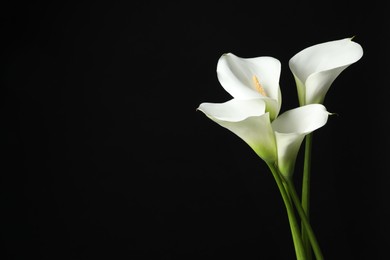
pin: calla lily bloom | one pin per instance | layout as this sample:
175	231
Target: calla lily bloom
290	129
316	67
249	78
248	120
277	142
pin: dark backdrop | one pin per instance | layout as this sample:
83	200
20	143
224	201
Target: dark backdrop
105	155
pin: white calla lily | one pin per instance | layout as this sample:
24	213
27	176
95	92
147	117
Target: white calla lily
316	67
276	142
248	78
290	129
248	120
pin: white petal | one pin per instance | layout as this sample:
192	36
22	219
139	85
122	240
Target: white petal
254	129
288	148
236	76
304	119
234	110
317	66
290	129
318	84
325	56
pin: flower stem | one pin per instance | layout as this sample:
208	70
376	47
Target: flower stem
309	231
295	232
306	191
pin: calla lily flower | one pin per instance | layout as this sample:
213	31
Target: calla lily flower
249	78
277	142
248	120
316	67
290	129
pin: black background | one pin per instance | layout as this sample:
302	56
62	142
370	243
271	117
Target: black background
106	157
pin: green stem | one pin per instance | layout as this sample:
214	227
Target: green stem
296	235
306	191
309	231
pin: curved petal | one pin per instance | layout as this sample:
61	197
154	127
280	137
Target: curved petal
288	148
316	67
234	110
318	84
236	76
252	127
290	129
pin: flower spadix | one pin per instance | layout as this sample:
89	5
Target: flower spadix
249	78
277	142
316	67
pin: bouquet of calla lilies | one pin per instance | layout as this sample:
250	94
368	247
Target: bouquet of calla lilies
253	115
